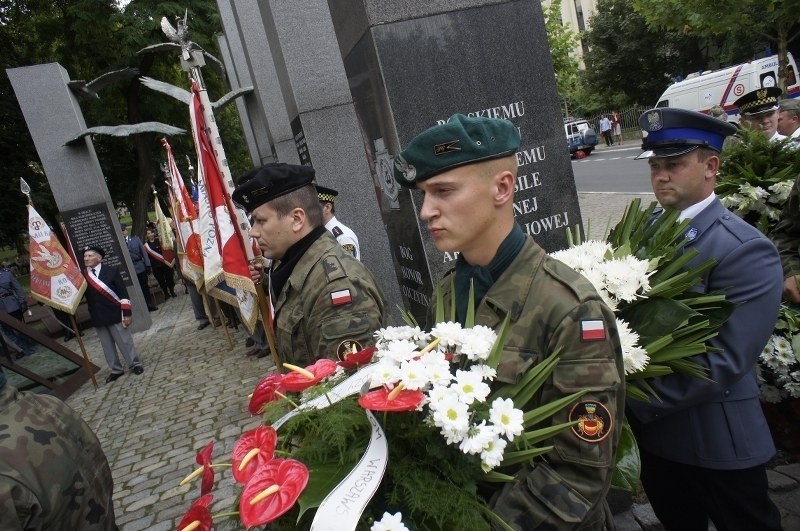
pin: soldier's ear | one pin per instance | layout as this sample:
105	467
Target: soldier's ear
298	219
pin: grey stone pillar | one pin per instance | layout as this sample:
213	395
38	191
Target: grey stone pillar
73	172
413	64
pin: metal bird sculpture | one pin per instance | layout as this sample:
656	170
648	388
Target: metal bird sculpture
185	96
127	130
90	89
179	38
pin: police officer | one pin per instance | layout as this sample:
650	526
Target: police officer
759	111
704	442
467	169
326	303
343	234
53	472
13	301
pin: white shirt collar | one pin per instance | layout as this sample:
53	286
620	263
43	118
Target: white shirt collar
696	208
96	269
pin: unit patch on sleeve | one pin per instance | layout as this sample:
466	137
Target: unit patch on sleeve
594	421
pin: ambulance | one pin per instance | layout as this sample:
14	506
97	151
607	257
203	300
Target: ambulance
701	91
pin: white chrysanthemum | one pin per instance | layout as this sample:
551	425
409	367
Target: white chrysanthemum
477	439
634	356
438	368
449	333
390	522
384	372
770	394
470	387
453	436
584	256
451	414
755	193
399	350
414	374
733	200
477	342
506	418
626	277
486	372
793	389
492	456
780	191
436	395
395	333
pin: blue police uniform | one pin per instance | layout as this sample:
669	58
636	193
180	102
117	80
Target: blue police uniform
705	442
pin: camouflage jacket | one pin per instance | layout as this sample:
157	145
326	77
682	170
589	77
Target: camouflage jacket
53	472
330	300
786	234
554	309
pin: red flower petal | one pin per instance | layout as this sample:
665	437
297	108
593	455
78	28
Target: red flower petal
378	400
204	455
358	359
198	512
265	439
265	392
291	477
296	382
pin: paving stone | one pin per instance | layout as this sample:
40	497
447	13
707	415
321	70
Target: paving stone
780	482
792	470
141	523
646	517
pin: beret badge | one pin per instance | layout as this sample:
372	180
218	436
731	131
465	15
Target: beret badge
408	171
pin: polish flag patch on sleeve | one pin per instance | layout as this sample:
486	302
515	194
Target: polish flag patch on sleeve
594	330
341	297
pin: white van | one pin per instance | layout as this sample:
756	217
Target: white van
700	92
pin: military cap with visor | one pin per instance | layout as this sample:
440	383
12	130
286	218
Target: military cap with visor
672	132
459	141
759	101
326	195
270	181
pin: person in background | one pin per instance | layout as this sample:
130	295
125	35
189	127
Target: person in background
343	234
759	111
13	301
53	472
141	264
605	130
162	270
789	120
466	169
616	127
704	442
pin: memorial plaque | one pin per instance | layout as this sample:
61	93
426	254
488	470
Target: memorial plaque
92	226
493	61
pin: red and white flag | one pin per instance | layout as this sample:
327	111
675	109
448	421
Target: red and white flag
183	210
56	279
225	248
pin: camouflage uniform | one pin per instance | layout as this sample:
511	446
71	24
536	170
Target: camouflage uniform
309	323
548	303
786	234
53	473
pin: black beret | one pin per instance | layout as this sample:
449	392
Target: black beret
264	184
326	195
672	132
459	141
96	249
759	100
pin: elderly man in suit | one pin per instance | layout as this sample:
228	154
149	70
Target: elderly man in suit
110	311
704	442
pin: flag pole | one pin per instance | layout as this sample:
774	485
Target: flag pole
79	337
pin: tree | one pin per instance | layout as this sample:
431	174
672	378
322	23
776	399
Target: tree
749	20
562	41
628	63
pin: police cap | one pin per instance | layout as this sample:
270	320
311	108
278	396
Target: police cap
673	132
759	100
272	180
459	141
326	195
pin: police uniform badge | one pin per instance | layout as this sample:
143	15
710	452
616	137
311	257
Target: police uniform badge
691	234
350	249
654	121
594	421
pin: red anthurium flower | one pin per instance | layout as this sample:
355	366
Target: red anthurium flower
358	359
265	392
204	458
397	399
297	382
198	517
272	491
252	450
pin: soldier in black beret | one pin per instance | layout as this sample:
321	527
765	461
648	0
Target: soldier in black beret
343	234
759	110
704	442
467	170
326	303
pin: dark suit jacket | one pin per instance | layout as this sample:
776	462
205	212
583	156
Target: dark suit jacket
719	424
102	310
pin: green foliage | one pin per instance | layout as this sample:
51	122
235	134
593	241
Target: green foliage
562	41
629	465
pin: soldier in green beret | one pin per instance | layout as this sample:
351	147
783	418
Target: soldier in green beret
326	303
53	472
467	170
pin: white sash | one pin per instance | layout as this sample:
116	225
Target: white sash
156	255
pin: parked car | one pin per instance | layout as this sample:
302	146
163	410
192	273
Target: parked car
581	138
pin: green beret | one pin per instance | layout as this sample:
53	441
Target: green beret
461	140
790	105
264	184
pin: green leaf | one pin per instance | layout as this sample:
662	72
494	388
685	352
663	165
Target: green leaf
322	479
628	465
545	411
493	360
523	456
